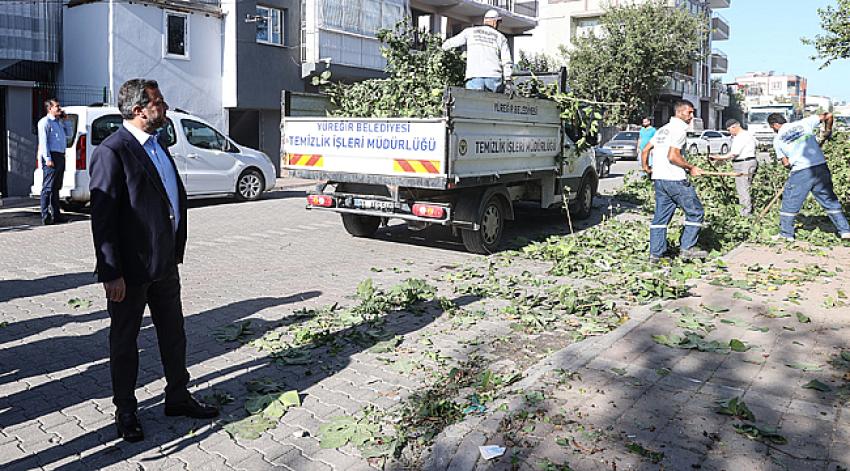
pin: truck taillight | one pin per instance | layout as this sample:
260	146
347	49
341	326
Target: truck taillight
429	211
81	153
320	200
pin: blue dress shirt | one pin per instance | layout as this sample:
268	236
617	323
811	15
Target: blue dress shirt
52	136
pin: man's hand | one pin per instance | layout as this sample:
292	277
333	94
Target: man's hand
696	171
647	169
48	163
115	290
719	157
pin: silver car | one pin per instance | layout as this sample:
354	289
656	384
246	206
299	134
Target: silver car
624	145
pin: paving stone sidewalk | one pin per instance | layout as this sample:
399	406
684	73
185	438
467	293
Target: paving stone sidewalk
624	401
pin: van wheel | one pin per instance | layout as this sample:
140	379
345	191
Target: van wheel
724	149
491	224
360	226
72	206
250	185
693	150
583	204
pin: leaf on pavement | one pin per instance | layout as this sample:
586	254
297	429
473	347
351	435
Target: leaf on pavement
741	296
250	428
817	385
738	346
715	309
804	319
79	303
735	407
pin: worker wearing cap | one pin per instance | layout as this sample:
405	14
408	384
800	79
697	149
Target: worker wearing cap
743	157
488	58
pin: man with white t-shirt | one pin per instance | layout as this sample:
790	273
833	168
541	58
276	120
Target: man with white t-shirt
669	174
743	157
797	147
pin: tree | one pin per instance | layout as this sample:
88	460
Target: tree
835	43
638	47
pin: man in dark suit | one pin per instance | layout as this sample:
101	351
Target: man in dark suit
138	216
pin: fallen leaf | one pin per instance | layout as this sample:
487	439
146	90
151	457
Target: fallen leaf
817	385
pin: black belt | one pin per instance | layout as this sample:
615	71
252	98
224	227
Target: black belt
745	160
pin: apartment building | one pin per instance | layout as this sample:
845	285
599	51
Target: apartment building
561	21
762	88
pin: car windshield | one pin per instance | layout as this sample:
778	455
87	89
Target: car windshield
693	134
843	119
757	118
626	136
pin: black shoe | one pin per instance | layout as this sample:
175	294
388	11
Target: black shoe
191	408
48	221
129	427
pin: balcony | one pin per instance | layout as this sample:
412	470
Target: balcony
719	62
677	85
518	16
719	95
719	28
715	4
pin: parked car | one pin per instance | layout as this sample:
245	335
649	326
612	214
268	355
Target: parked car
624	145
208	162
842	122
703	142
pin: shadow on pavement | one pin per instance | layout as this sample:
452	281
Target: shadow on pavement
172	435
16	289
82	360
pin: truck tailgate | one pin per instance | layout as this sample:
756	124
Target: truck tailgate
346	149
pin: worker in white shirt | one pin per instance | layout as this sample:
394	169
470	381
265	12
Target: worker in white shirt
488	58
744	162
669	173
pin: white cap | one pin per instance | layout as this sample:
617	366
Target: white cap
492	15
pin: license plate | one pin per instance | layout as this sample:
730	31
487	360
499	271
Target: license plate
373	204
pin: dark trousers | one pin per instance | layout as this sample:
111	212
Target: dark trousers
51	184
163	299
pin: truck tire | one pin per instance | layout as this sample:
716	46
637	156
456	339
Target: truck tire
491	224
583	205
360	226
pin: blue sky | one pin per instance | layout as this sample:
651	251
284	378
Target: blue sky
765	35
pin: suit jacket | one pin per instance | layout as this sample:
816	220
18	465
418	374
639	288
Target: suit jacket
130	214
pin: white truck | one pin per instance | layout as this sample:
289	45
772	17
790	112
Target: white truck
464	169
757	121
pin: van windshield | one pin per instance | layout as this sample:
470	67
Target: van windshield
757	118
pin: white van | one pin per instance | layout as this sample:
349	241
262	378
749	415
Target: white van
209	163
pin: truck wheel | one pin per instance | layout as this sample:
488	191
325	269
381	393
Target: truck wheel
724	149
491	224
583	204
693	150
360	226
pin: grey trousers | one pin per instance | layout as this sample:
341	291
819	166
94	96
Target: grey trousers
744	183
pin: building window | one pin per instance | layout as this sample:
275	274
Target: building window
586	27
176	35
270	25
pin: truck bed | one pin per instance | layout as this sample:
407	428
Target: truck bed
480	136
